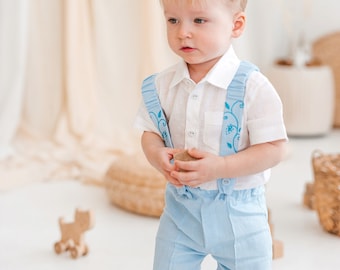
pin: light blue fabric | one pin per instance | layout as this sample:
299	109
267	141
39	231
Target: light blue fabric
230	225
232	228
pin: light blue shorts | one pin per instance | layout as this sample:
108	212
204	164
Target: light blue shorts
231	226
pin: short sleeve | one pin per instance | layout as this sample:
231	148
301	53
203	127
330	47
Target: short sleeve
264	111
143	121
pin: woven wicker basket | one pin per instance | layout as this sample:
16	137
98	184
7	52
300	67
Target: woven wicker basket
134	185
326	169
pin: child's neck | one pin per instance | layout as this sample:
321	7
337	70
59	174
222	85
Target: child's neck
197	75
199	71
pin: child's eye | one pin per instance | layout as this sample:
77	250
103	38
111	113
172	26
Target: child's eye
199	20
172	20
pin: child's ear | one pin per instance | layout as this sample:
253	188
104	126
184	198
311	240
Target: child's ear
239	24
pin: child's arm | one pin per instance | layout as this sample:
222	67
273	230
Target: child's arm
158	155
252	160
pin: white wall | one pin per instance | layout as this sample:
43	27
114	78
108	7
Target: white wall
274	25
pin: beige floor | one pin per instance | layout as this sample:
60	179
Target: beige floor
124	241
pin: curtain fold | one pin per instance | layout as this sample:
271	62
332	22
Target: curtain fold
13	50
79	69
74	100
43	98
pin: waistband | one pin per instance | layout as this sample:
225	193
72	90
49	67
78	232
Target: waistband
225	188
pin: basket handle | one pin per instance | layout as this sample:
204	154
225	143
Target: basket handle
315	155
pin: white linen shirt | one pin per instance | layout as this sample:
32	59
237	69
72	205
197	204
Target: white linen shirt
194	111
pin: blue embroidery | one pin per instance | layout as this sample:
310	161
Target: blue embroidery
155	110
233	129
161	124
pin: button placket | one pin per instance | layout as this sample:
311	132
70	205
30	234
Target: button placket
192	118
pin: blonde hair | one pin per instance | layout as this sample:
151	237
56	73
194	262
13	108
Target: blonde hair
239	4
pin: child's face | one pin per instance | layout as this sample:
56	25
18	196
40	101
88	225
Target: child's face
201	33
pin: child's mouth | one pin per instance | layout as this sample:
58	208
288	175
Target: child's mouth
187	49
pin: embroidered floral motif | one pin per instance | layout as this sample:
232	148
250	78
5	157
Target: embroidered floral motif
232	130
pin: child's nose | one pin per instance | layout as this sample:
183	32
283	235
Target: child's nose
184	31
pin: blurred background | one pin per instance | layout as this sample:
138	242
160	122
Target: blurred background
70	77
71	70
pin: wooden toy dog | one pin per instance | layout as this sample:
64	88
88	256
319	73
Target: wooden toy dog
72	234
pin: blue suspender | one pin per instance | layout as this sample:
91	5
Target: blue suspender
232	118
233	111
155	109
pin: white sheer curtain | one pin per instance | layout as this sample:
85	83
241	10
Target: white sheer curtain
70	76
13	51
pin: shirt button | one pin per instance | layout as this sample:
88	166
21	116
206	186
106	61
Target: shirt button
226	181
195	97
191	133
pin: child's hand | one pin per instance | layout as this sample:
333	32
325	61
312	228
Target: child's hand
159	156
162	161
195	172
168	167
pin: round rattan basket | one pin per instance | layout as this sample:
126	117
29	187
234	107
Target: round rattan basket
134	185
326	169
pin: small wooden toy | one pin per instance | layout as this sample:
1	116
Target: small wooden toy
277	247
184	156
72	234
309	196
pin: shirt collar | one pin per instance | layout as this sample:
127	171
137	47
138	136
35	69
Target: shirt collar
220	75
181	74
223	72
